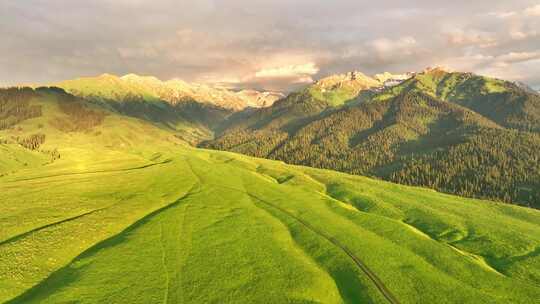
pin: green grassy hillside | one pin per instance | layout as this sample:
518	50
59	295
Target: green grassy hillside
46	126
168	104
173	103
105	208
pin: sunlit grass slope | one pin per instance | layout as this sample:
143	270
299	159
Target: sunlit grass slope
196	226
132	216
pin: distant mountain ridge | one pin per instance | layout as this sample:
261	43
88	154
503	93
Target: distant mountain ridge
191	109
174	91
455	132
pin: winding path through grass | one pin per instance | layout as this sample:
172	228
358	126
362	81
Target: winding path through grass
357	261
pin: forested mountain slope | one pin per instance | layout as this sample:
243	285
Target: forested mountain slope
507	103
454	132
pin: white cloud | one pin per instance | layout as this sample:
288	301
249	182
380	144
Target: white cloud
299	70
139	52
468	62
460	37
385	46
518	35
533	11
481	61
220	79
273	77
304	79
502	15
256	43
517	66
518	57
500	65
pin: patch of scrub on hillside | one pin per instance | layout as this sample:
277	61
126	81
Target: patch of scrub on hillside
361	200
494	85
347	206
479	260
233	159
525	265
452	235
417	231
289	177
431	225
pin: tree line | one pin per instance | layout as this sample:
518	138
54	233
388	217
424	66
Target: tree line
15	106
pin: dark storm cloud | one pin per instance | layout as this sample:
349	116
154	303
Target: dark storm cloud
276	44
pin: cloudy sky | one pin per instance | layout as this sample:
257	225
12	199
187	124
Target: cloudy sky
275	44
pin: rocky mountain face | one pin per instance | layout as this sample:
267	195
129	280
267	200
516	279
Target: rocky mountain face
340	89
354	80
257	99
389	79
173	91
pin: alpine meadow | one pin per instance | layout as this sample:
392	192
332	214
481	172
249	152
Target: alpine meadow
279	163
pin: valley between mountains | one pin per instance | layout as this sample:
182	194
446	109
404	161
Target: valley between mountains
413	188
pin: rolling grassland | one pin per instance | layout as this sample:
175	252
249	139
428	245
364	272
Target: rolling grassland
196	226
124	212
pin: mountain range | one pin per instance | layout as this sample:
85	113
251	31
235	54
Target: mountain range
454	132
149	88
107	200
192	110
